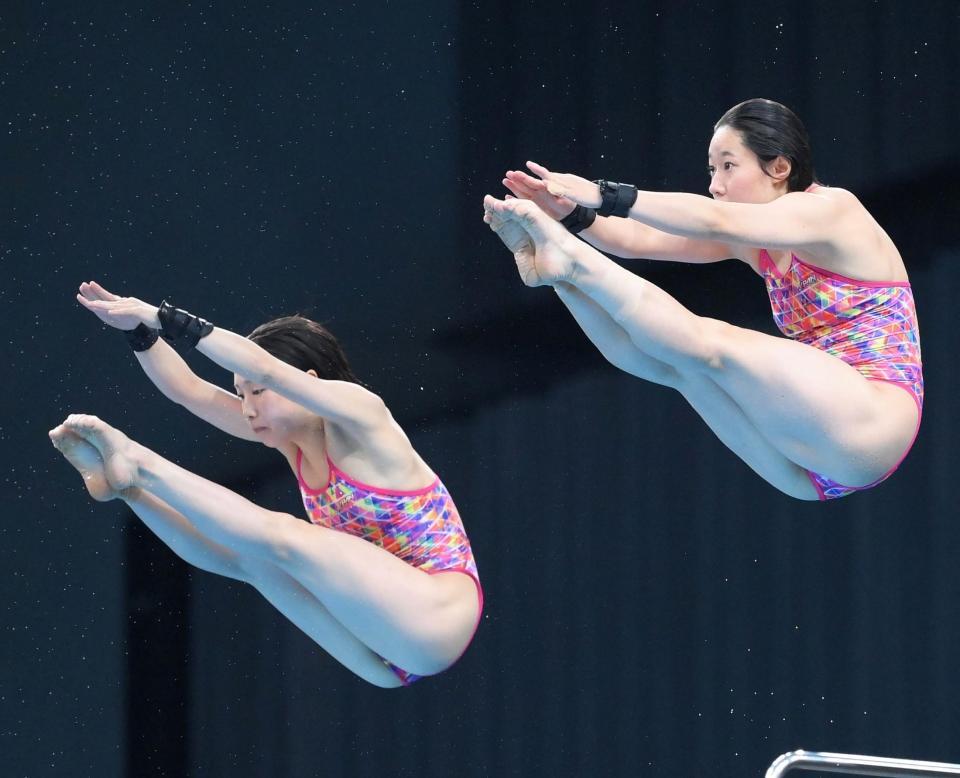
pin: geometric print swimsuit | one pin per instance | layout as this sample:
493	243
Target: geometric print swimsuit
872	326
422	526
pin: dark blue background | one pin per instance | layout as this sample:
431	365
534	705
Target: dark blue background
653	608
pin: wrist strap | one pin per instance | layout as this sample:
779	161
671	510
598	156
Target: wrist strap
617	199
181	327
141	337
579	219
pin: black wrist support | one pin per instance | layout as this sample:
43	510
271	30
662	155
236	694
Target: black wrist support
579	219
141	337
617	199
181	327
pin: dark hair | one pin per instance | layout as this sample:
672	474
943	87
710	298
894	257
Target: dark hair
772	130
306	345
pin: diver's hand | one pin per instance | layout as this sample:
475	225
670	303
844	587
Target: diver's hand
567	186
124	313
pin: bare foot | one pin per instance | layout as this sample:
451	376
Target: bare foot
118	452
86	459
540	246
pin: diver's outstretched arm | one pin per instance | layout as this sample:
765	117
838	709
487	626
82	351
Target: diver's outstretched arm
626	238
344	403
168	371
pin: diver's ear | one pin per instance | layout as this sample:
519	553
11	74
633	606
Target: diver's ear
779	168
312	372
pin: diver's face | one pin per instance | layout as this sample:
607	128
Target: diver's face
736	174
273	418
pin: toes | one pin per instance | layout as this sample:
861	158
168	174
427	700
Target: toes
58	436
81	421
520	210
79	425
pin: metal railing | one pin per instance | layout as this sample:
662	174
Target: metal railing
852	764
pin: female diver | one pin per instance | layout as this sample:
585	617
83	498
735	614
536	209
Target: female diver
383	577
831	410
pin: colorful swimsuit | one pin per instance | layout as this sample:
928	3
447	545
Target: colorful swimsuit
872	326
422	527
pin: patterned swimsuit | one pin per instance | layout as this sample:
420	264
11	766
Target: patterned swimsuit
872	326
422	527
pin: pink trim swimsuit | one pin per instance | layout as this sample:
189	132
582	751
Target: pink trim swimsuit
422	527
872	326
